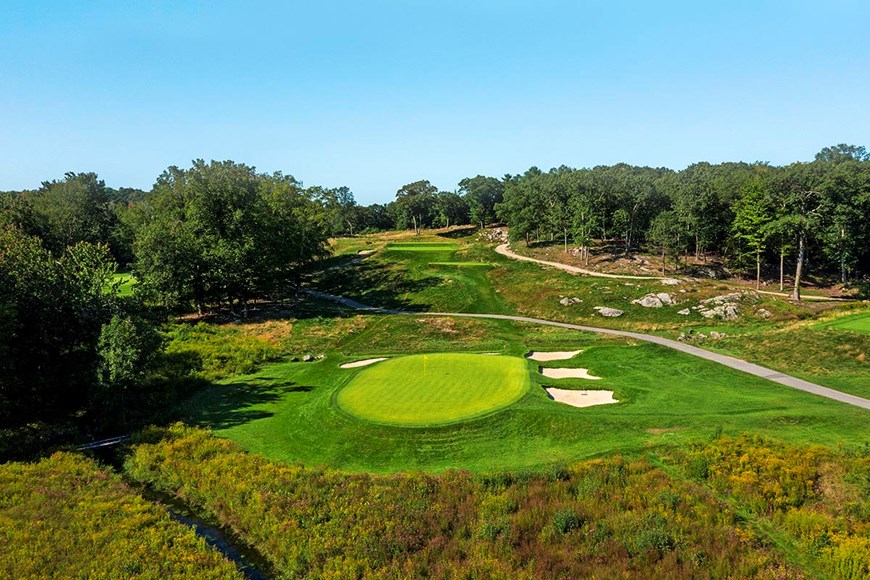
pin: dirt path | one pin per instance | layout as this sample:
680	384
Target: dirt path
728	361
504	250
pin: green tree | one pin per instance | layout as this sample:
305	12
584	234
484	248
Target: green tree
750	228
415	205
482	194
666	232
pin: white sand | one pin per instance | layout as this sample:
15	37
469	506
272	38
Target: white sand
361	363
548	356
582	398
568	374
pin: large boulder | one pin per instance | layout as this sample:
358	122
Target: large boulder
649	301
609	312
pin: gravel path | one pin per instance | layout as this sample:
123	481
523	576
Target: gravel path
728	361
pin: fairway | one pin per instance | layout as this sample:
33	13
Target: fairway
856	323
434	389
422	247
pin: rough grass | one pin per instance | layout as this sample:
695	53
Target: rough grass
435	388
65	517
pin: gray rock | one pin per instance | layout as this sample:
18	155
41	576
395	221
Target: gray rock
609	312
307	358
684	312
649	301
565	301
763	313
665	298
670	281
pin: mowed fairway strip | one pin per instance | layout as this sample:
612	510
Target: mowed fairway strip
434	389
856	323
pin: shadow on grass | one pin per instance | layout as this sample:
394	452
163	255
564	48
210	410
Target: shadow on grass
229	405
377	284
458	232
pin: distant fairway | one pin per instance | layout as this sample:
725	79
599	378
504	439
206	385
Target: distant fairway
463	264
433	389
857	323
422	247
125	283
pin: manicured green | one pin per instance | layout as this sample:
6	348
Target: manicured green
856	323
434	389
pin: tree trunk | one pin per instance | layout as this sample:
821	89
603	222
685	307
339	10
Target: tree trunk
757	270
448	223
566	240
796	293
842	257
416	230
586	255
781	270
663	261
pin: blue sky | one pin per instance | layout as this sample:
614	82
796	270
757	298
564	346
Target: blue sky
376	94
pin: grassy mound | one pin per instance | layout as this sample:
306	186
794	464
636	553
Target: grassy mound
434	389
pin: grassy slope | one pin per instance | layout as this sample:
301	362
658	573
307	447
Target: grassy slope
434	389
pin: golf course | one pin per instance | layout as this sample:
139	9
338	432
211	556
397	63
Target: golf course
438	392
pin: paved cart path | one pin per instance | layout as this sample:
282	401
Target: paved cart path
728	361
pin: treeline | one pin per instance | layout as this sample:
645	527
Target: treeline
758	216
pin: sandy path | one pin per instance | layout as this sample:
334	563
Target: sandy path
554	355
505	250
728	361
361	363
582	398
568	374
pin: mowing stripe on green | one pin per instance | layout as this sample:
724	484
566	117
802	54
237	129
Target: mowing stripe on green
434	389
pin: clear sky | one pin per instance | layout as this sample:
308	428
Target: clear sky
375	94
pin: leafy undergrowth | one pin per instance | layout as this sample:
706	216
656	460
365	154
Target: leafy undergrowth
64	517
600	518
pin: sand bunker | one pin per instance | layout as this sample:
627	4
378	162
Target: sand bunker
361	363
568	374
581	398
548	356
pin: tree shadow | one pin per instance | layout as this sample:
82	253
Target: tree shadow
229	405
457	232
377	284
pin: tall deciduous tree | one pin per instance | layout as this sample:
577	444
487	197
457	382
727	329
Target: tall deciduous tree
482	194
750	228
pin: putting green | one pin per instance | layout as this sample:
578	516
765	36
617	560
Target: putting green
434	389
